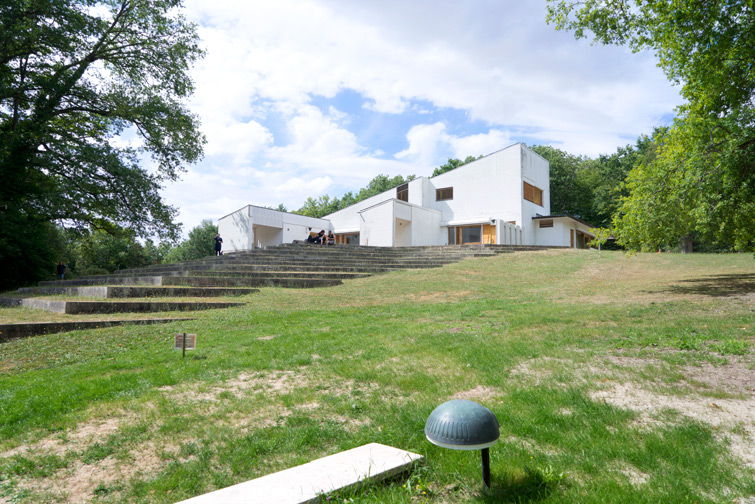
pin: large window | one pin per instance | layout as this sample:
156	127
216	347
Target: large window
463	235
348	239
533	194
471	234
402	192
447	193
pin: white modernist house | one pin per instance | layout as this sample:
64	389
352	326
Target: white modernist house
501	198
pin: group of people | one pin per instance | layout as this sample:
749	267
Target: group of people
321	239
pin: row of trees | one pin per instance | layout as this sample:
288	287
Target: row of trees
700	183
87	252
79	77
324	205
76	78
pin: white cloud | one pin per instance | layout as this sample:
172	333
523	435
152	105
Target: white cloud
497	62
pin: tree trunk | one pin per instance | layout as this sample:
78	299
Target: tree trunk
686	244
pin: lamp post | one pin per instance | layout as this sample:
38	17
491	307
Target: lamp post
464	425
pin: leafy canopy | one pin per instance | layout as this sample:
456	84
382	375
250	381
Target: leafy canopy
452	164
200	244
699	184
75	75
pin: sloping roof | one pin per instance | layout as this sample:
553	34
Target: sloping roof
556	216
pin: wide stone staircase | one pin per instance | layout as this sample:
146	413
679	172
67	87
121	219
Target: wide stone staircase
241	273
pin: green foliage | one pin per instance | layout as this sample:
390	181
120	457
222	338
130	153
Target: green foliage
591	188
690	191
701	185
29	251
707	48
200	244
452	164
325	205
74	77
100	250
569	194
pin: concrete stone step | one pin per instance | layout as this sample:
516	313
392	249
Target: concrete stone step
307	483
81	307
235	281
276	274
24	330
104	280
138	291
314	264
267	271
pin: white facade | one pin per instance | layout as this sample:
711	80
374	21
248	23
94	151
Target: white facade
257	227
501	198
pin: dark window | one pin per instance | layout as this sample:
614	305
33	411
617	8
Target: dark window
471	234
447	193
546	223
402	192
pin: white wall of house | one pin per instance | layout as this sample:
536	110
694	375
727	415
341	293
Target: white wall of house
560	235
426	228
490	189
484	189
236	230
267	236
253	226
535	171
348	218
376	225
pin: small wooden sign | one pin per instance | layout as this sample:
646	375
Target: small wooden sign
191	341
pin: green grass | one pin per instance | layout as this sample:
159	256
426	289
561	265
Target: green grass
299	374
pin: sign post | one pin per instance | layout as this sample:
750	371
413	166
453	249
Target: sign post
185	342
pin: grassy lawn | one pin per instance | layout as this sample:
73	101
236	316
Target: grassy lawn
614	378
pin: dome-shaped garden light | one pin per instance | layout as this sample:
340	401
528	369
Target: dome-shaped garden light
464	425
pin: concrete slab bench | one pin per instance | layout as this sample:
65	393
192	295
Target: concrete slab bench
305	483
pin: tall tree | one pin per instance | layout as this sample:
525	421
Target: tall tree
78	78
704	164
110	251
200	244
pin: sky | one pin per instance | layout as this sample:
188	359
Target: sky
302	98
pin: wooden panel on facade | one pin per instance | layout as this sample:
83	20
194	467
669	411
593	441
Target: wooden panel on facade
488	234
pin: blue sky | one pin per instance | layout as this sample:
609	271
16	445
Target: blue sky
302	98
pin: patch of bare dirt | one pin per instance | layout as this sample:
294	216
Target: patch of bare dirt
542	369
479	393
276	382
733	419
77	439
77	484
437	297
635	476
